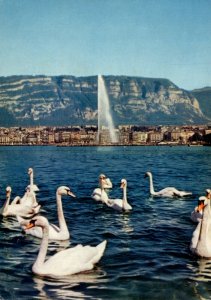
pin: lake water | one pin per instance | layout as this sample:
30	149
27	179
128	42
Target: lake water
147	255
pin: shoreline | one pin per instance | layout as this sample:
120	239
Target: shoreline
105	145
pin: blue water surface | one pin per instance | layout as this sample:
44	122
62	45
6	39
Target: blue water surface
147	255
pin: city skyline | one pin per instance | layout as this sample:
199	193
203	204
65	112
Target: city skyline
161	39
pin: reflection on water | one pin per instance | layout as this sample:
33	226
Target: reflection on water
202	272
66	287
10	223
124	220
147	255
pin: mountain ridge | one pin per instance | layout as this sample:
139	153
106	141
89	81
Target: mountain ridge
27	100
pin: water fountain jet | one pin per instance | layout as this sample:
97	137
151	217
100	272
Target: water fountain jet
104	114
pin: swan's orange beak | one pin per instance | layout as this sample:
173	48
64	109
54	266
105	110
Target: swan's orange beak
71	194
30	225
122	185
200	207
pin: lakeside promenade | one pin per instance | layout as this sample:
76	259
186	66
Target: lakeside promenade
127	135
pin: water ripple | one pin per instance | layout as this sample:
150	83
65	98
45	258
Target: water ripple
147	255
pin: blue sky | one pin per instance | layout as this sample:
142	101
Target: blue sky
146	38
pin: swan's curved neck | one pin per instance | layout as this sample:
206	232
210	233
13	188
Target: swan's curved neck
152	191
104	196
6	203
61	219
31	179
43	248
124	199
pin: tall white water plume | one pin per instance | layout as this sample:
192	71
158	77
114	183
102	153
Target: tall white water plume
104	115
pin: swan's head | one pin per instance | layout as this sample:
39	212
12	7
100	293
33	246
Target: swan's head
202	198
30	171
147	174
201	203
36	221
102	180
8	190
208	193
123	183
102	177
64	190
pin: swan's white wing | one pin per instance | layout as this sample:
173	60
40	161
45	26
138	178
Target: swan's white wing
172	192
33	188
128	207
108	184
20	210
96	194
183	193
16	200
115	204
168	191
36	209
29	199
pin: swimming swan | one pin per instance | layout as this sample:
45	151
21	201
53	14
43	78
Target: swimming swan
166	192
66	262
33	187
201	238
29	197
120	204
16	208
60	233
97	193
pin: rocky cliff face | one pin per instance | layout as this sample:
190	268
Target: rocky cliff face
69	100
204	97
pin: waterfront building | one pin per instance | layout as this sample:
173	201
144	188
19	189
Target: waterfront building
124	138
139	137
181	136
87	135
4	139
155	137
31	138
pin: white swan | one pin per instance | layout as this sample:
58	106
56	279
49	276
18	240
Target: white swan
66	262
16	208
201	238
55	233
120	204
166	192
29	198
33	187
197	213
96	194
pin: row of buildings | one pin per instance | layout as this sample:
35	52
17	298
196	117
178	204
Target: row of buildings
89	135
